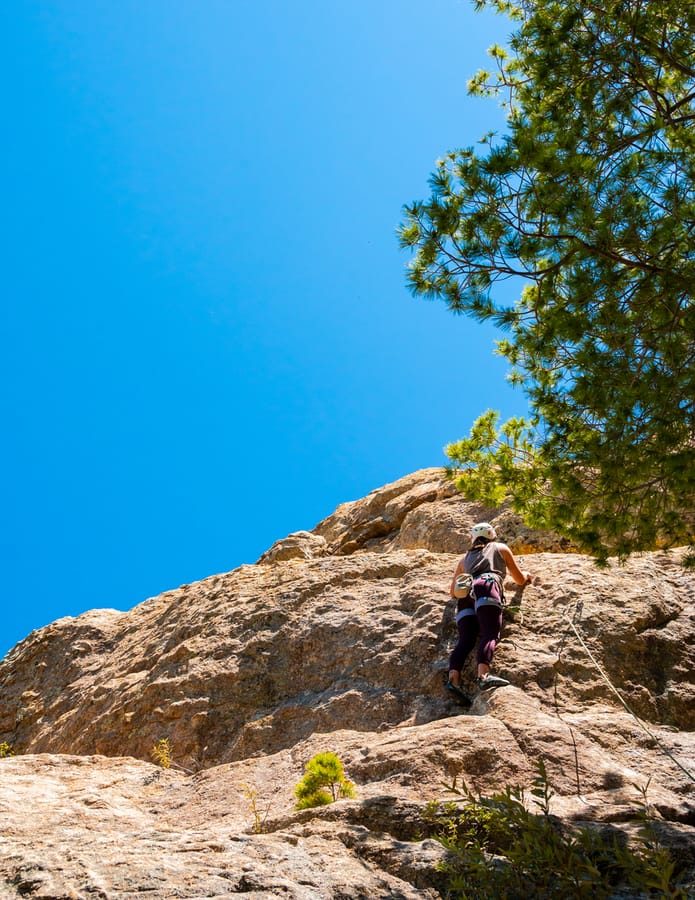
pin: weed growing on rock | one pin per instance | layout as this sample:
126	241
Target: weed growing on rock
161	753
499	848
324	770
259	815
6	749
658	871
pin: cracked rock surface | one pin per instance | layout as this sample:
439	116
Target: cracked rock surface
338	639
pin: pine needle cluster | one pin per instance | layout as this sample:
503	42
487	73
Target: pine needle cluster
324	782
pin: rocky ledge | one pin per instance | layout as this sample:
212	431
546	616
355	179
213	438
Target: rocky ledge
337	639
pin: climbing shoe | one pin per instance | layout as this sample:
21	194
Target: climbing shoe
458	695
487	682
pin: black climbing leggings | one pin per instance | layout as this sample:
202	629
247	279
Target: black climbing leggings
486	623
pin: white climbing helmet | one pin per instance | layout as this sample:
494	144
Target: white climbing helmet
483	529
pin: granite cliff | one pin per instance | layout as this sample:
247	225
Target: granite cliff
337	639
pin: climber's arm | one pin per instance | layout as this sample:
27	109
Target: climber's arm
519	576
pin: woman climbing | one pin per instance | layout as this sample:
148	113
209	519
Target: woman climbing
479	615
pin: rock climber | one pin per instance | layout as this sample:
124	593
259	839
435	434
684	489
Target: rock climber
479	615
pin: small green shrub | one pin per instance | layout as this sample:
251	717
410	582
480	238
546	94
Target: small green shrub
323	774
500	849
161	753
6	750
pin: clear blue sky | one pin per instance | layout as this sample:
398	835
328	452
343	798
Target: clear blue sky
208	341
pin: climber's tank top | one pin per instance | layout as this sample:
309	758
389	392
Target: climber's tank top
485	559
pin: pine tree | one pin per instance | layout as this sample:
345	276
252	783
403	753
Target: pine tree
588	201
324	770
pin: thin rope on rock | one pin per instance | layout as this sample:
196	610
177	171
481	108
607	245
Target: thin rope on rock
610	684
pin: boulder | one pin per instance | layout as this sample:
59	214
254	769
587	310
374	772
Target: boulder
338	639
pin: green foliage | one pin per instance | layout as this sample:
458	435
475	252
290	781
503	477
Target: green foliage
6	750
499	848
323	771
162	754
587	201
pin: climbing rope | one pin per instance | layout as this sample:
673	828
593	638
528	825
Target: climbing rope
610	684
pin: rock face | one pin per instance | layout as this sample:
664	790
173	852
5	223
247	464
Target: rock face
338	639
